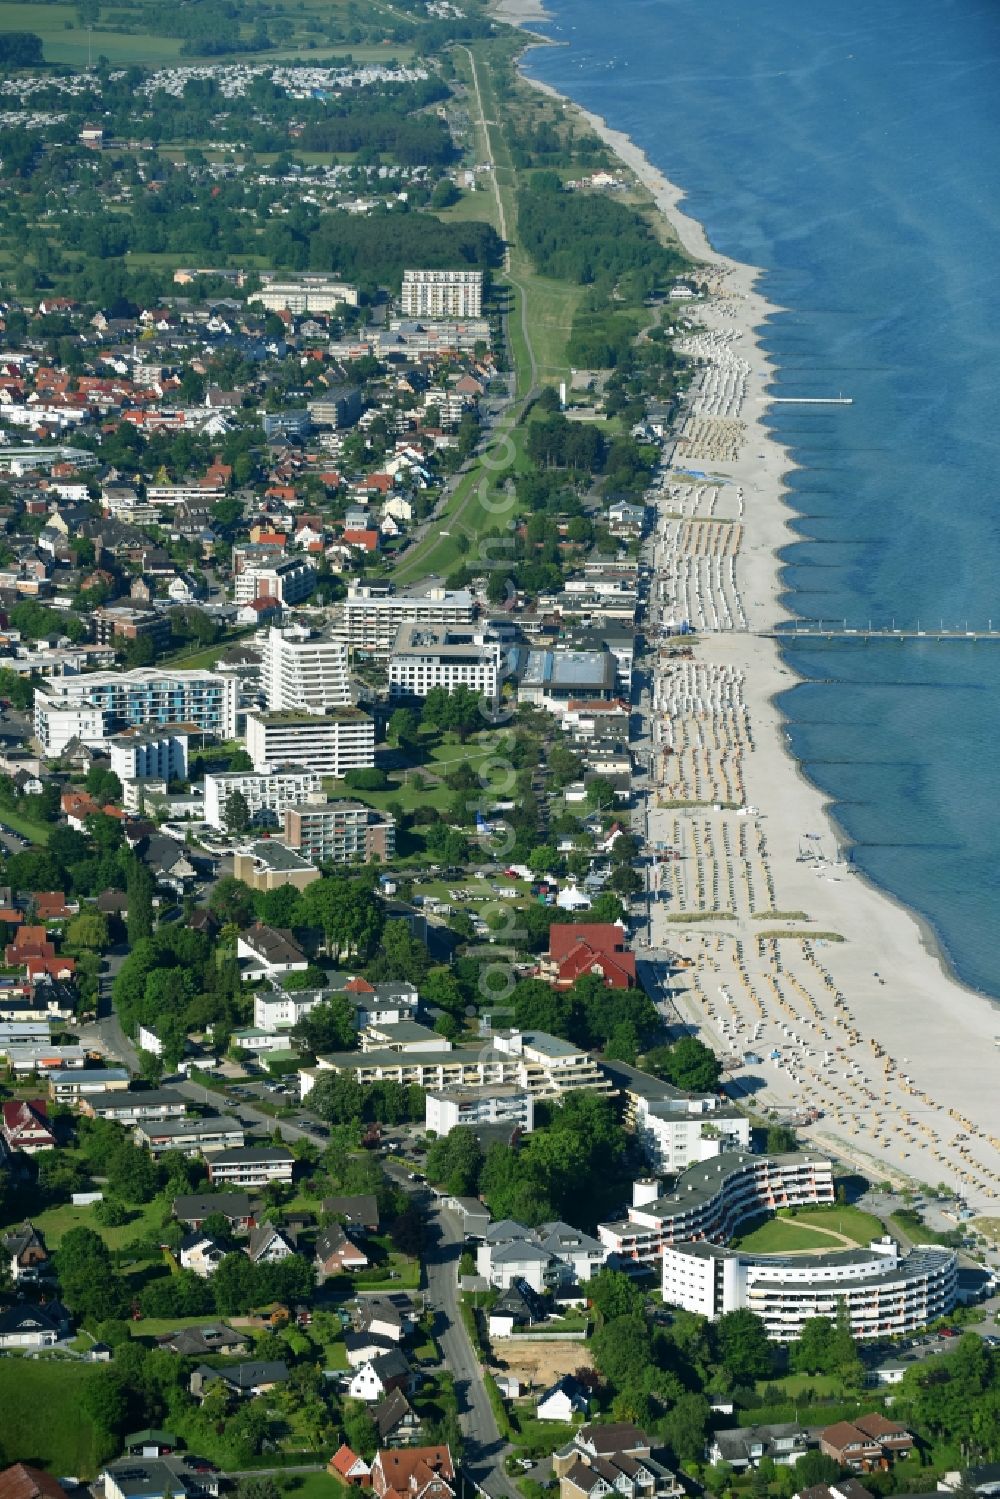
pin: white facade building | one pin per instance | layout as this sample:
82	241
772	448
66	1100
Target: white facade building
427	656
306	294
265	794
301	670
329	744
451	294
447	1110
369	618
101	704
289	581
274	1010
885	1293
150	753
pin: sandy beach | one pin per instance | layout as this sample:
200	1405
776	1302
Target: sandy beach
869	1030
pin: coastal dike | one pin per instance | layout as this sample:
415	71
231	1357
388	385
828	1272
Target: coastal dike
837	993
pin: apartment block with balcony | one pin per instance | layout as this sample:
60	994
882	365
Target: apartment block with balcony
301	670
266	796
329	744
884	1292
427	656
435	294
340	832
448	1110
369	618
100	704
712	1198
159	752
253	1166
290	581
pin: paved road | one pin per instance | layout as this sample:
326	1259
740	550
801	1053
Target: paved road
485	1449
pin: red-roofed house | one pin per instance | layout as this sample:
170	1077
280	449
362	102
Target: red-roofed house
367	541
29	942
25	1125
413	1473
51	905
347	1465
595	947
53	968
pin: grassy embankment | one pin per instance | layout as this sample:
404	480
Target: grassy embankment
820	1229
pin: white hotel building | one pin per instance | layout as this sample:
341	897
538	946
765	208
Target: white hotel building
885	1293
428	656
329	744
302	670
369	618
101	704
265	794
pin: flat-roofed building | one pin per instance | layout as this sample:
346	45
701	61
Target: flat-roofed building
447	294
192	1136
156	751
447	1109
329	744
290	581
266	796
884	1293
307	293
712	1198
427	656
340	832
134	1107
253	1166
270	864
368	620
101	704
553	679
303	670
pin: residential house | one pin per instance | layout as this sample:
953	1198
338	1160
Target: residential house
25	1253
362	1347
867	1443
347	1465
359	1211
414	1473
25	1326
743	1447
554	1254
396	1422
613	1459
374	1379
268	952
201	1253
518	1307
269	1244
196	1342
385	1316
25	1125
563	1400
236	1207
337	1251
254	1378
22	1482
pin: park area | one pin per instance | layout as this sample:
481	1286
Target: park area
812	1230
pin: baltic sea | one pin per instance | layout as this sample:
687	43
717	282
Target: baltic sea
853	152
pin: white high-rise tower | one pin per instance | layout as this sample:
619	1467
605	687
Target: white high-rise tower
305	671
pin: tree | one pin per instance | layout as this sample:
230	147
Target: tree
814	1467
236	814
686	1426
231	900
89	930
139	889
403	727
455	1162
741	1339
781	1140
338	1098
346	910
688	1064
811	1353
258	1488
614	1295
328	1026
621	1349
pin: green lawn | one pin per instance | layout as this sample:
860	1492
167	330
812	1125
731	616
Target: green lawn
42	1425
311	1486
53	1223
38	832
813	1228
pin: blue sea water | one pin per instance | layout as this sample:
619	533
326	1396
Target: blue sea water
852	150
